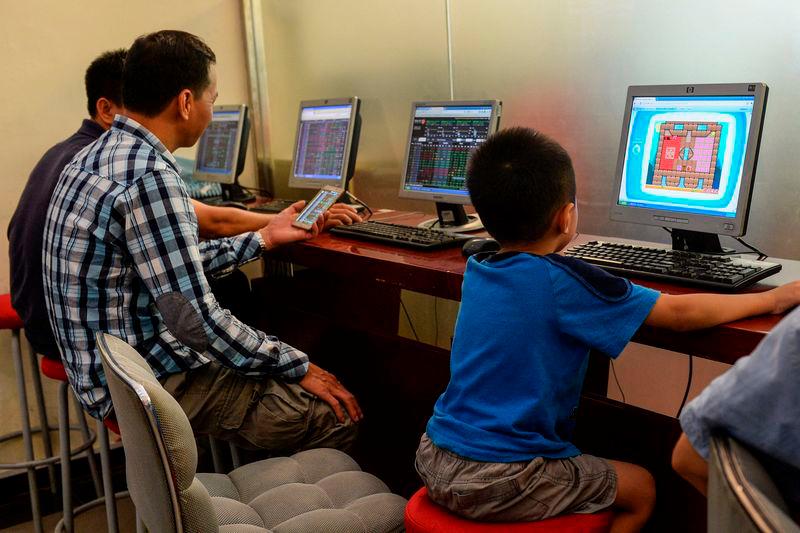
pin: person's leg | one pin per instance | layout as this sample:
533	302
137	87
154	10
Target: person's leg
257	414
690	465
636	497
285	417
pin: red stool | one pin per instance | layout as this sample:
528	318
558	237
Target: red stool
54	369
424	516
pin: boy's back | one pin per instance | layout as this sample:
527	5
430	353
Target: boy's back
520	353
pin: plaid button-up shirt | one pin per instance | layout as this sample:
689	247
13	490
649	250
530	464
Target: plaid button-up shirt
121	255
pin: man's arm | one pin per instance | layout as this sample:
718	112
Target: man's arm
161	237
215	221
687	312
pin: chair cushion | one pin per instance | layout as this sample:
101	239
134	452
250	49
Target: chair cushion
316	490
424	516
53	368
9	319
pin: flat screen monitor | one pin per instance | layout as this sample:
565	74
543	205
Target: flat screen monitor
222	149
441	138
326	143
687	157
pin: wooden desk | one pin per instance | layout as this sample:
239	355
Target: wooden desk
440	274
398	380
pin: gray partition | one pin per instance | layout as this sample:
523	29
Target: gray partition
559	66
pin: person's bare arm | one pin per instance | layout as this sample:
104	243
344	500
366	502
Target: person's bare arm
215	221
696	311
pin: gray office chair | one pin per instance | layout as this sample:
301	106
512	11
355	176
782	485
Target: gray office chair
318	491
741	495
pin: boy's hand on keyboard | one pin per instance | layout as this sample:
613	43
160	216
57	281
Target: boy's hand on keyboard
785	297
341	214
280	230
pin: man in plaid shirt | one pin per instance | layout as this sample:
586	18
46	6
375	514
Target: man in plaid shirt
121	255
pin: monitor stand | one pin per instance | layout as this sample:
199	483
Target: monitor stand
697	241
452	217
236	193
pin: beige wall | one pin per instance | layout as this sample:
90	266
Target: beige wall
45	48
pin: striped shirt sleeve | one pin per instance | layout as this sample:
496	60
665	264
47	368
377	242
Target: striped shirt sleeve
161	236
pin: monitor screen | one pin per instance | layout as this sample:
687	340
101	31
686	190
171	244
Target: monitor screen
323	145
690	155
442	137
218	148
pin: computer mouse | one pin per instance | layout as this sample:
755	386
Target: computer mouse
231	203
478	245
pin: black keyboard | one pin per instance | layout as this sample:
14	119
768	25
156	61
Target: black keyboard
273	206
717	272
413	237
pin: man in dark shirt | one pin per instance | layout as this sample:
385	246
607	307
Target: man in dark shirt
104	95
104	100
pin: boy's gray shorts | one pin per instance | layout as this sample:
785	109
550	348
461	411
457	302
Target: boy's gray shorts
515	492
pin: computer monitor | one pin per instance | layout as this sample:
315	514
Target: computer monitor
326	143
687	160
441	138
222	150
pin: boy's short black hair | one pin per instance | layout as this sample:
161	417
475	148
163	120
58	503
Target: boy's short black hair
103	79
162	64
517	180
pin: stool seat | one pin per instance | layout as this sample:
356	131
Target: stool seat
9	319
424	516
53	369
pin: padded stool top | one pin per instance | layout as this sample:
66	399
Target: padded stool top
9	319
53	368
424	516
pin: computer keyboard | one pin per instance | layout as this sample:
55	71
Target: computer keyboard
717	272
410	236
273	206
203	190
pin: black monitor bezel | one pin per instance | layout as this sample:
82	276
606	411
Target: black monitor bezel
681	220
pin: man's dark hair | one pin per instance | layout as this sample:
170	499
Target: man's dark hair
162	64
104	79
517	180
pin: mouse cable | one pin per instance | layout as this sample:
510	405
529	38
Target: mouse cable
408	317
616	380
688	386
352	198
761	255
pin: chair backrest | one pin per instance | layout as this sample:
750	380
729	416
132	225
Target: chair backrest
741	495
160	452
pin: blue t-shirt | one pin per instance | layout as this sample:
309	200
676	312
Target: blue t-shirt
521	349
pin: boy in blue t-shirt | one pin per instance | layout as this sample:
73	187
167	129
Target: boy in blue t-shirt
498	447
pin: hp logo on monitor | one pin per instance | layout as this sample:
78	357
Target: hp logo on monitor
690	90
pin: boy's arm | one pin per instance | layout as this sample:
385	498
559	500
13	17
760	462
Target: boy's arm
686	312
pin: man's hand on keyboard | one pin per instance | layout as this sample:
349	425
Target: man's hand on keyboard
280	230
340	214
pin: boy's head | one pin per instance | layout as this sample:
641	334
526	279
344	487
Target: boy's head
103	81
522	183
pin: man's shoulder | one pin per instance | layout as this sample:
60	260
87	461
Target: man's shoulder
122	158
